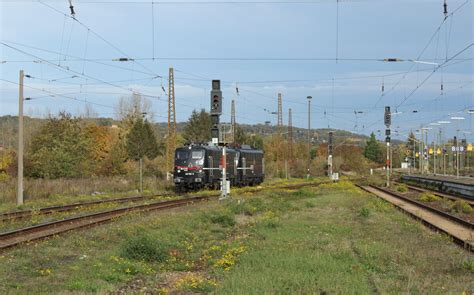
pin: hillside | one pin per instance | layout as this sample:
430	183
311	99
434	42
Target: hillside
9	130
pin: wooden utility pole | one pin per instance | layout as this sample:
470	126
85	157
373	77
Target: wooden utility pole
290	136
289	157
280	132
19	199
280	116
171	139
232	121
309	137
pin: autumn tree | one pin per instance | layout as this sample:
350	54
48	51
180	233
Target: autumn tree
60	149
253	140
132	108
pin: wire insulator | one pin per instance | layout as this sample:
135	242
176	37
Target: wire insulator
445	5
71	7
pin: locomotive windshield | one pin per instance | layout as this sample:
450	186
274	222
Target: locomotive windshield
197	155
181	154
185	157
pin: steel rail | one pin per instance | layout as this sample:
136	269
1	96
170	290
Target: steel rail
424	206
70	207
44	230
440	194
40	231
450	218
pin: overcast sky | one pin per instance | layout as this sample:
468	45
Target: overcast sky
328	50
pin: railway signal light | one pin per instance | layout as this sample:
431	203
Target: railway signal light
216	98
387	117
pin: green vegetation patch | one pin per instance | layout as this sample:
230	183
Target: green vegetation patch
144	247
402	188
428	197
287	241
461	206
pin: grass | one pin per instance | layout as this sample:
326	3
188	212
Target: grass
461	206
48	192
402	188
349	245
428	197
333	239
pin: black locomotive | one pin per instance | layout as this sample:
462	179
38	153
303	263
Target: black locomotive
197	166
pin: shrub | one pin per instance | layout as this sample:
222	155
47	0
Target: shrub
144	247
428	197
461	206
402	188
469	265
364	212
223	218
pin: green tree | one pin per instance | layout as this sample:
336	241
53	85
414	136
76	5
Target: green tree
198	127
141	141
372	150
60	149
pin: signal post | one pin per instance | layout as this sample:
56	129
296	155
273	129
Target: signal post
388	122
216	112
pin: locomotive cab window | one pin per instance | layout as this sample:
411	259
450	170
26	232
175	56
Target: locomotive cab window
197	154
181	155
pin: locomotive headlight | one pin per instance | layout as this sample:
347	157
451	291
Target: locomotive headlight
200	162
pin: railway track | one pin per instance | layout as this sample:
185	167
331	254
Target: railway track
460	230
14	215
70	207
15	237
440	194
31	233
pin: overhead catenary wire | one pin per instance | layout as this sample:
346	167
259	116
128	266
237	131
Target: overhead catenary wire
434	71
97	35
436	32
65	69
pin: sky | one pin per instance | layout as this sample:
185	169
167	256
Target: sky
330	50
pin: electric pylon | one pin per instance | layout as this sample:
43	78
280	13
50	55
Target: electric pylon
232	121
171	139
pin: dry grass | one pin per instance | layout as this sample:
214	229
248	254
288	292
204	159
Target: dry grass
46	191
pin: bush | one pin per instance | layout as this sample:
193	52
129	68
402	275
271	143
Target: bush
223	218
145	248
428	197
364	212
402	188
461	206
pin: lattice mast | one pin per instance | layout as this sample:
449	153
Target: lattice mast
232	121
171	139
280	116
